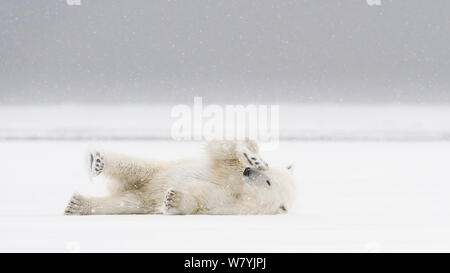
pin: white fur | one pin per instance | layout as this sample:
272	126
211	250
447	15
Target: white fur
211	184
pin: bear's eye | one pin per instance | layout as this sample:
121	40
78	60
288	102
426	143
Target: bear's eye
283	208
268	182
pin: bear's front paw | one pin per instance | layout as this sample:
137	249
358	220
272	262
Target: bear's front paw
97	163
171	201
250	159
176	202
78	205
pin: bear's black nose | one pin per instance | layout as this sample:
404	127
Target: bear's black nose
246	172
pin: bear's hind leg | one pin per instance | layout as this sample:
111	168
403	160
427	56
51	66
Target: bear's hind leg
122	204
126	173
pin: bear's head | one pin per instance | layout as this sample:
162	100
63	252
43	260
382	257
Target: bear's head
274	187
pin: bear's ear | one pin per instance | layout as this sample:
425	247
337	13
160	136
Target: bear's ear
290	168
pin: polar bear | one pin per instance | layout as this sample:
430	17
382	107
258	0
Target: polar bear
231	178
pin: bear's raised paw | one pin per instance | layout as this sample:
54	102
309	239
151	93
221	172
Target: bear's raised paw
97	163
250	158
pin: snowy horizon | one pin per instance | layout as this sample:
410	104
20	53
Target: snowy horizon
399	122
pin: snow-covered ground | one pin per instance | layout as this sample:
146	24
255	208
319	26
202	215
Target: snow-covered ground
353	196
